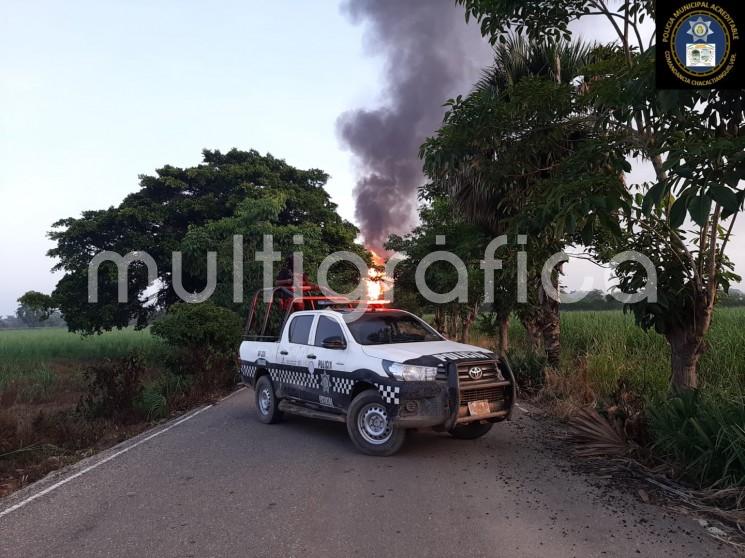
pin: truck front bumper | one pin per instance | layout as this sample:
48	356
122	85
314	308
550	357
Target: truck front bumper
423	404
444	404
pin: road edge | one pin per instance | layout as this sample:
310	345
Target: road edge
60	477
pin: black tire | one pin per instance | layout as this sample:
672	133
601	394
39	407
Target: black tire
471	431
364	420
267	404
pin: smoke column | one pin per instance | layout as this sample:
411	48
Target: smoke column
431	55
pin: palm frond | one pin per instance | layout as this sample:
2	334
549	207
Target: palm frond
595	436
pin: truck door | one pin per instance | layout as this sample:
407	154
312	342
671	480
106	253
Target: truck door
287	351
330	348
295	351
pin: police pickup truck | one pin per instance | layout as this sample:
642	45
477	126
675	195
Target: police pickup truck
381	373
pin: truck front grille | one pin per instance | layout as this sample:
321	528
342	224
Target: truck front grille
491	394
490	386
489	372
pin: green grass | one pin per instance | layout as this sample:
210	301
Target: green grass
604	354
37	356
53	343
611	347
704	435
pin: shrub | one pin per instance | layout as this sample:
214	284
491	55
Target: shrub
703	434
486	323
152	403
168	392
65	429
8	431
172	386
529	369
205	340
113	387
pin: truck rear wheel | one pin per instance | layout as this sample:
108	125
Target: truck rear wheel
370	428
471	431
267	405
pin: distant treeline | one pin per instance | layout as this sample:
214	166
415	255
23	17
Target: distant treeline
594	300
26	317
598	300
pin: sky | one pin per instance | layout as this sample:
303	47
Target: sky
95	93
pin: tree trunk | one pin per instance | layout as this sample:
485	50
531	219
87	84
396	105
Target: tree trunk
687	344
439	322
451	324
465	332
503	334
454	323
686	348
473	311
551	329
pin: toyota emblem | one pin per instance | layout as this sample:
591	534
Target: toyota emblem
475	373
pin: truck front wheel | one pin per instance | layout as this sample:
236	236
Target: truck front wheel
267	407
370	428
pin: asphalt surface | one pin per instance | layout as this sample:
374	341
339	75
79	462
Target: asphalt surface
223	484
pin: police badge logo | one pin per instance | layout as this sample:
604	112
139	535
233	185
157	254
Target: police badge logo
697	46
325	382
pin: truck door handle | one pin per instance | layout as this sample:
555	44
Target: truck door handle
284	353
311	356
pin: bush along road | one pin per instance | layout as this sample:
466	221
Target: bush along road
217	483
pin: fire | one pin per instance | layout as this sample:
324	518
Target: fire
377	282
374	285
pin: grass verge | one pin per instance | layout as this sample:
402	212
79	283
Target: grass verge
611	365
64	397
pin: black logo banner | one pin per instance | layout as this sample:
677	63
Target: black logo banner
699	44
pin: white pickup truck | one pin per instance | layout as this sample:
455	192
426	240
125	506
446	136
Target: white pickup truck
382	373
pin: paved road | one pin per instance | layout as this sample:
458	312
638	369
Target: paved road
222	484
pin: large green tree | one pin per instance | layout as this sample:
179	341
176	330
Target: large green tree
694	141
195	210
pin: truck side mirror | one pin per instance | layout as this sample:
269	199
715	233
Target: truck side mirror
334	343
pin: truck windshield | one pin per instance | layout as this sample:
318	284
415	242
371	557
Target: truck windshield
382	328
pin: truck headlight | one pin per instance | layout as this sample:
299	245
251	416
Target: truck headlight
410	372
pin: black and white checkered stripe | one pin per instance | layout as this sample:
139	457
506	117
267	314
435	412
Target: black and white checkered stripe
303	378
294	377
389	393
248	370
342	385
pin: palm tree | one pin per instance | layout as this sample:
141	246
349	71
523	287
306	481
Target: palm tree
464	148
501	146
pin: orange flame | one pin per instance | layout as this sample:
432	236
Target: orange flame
374	285
376	280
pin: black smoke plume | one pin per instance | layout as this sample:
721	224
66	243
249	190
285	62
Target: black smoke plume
431	55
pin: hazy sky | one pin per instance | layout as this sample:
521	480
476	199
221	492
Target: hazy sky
95	93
